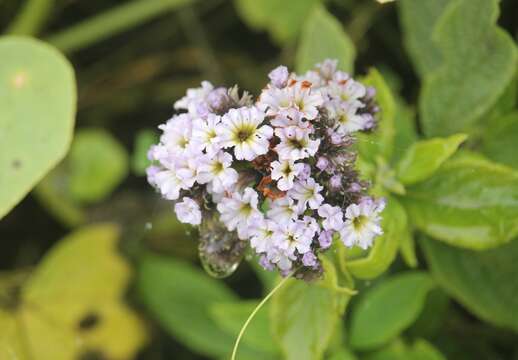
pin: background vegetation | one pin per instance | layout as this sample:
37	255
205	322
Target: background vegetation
95	266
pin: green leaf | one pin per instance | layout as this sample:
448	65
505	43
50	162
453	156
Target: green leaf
342	354
500	139
37	112
405	133
282	19
388	308
469	202
231	316
66	308
143	141
398	350
418	20
423	158
56	199
483	282
97	163
407	249
505	104
432	319
479	62
385	247
180	297
323	37
380	143
304	316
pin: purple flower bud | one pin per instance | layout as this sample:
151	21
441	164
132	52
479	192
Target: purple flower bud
279	76
325	238
355	187
151	172
371	92
336	138
368	121
305	172
309	259
265	263
327	68
376	109
322	163
202	109
335	182
285	272
218	99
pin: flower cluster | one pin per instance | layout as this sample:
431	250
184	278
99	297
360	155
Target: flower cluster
278	171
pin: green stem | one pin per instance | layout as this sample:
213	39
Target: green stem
31	17
194	31
111	22
257	308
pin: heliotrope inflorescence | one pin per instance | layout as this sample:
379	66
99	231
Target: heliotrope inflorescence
276	174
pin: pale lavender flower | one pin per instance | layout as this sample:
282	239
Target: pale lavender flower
217	169
241	130
195	100
307	193
292	236
333	217
205	133
188	211
362	223
261	235
284	172
265	263
295	143
240	212
283	210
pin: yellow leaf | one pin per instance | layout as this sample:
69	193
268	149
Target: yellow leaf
72	304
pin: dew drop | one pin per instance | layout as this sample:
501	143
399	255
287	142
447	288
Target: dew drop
148	226
220	250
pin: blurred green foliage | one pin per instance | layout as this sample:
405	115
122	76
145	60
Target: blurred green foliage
444	157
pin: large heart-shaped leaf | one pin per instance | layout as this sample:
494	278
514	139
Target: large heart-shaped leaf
388	309
484	282
180	297
479	61
37	111
418	20
469	202
304	316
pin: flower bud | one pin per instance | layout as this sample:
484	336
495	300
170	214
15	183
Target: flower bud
218	100
322	163
309	259
279	76
325	238
335	182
